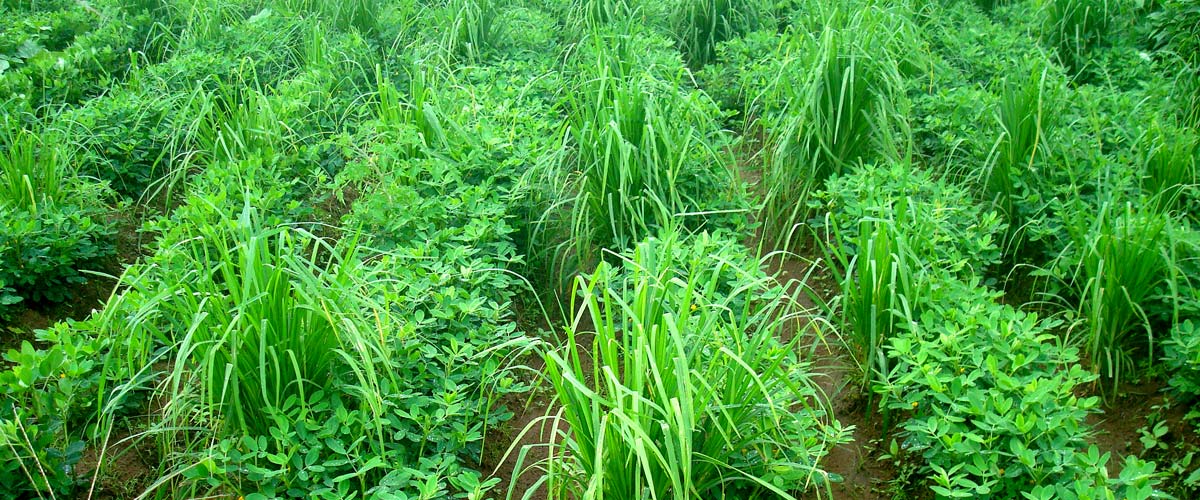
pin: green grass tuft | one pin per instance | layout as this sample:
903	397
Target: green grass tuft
1125	258
684	396
1074	27
831	121
32	171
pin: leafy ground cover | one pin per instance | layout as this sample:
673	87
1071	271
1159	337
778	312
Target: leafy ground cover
587	249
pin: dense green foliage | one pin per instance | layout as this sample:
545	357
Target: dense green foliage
1176	36
45	397
991	393
945	226
1183	360
55	222
351	237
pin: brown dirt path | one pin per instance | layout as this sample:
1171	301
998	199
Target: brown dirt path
857	462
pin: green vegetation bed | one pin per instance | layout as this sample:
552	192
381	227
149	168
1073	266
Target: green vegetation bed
589	249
